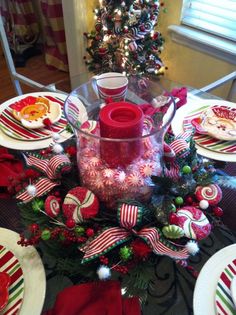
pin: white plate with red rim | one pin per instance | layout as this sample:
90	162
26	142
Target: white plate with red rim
218	122
206	284
193	108
38	140
33	271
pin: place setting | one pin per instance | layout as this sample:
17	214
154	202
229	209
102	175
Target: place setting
215	289
22	277
31	121
214	125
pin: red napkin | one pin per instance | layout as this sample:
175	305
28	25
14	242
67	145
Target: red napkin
9	167
101	298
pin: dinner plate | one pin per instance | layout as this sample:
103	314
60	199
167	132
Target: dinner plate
205	288
38	139
10	265
193	106
206	140
33	272
224	297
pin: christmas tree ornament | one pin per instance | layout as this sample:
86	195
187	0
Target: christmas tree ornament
218	211
194	222
70	223
179	201
103	273
212	193
79	230
186	169
46	235
192	247
57	148
203	204
31	190
52	206
80	204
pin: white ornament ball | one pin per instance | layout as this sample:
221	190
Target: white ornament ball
57	148
31	190
192	247
203	204
55	136
103	273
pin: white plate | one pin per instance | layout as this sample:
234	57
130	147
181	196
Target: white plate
183	111
15	144
33	271
205	288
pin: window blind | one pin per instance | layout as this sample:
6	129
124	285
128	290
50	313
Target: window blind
214	16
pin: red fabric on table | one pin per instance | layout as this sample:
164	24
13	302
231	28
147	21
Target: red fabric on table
10	167
101	298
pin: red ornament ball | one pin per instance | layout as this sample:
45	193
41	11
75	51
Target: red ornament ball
218	212
173	218
70	223
89	232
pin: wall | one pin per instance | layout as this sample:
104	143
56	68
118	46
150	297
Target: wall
186	65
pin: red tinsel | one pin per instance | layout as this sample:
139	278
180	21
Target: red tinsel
140	249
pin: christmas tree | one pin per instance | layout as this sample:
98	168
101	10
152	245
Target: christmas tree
124	39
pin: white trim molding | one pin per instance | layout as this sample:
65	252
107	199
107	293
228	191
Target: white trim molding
204	42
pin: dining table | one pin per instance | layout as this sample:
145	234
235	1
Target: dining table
173	289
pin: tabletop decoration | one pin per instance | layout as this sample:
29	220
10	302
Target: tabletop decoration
88	240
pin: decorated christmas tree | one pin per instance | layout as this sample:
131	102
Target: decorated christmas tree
125	39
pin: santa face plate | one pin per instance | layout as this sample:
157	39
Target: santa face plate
218	122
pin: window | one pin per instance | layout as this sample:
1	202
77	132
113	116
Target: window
217	17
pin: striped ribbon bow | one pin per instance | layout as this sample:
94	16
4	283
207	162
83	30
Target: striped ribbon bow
129	217
52	169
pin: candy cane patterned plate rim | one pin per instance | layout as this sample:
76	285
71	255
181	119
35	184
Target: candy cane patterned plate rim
10	264
16	144
33	271
223	300
195	104
14	128
205	287
206	140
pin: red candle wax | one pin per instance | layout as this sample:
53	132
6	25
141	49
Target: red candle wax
120	120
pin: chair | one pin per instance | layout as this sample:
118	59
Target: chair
16	77
232	91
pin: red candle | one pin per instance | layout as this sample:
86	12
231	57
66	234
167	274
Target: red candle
120	120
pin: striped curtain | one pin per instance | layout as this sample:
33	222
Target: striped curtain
20	23
53	25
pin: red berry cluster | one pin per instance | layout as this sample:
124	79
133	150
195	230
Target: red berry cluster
33	240
120	269
104	260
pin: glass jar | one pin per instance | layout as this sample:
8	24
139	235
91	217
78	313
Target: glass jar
120	143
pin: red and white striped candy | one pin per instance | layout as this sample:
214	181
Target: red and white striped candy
194	223
146	169
80	204
52	206
91	126
212	193
169	153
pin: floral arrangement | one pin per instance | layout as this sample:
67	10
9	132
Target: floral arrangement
88	241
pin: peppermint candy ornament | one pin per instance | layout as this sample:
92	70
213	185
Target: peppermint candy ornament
80	204
212	193
52	206
194	222
169	153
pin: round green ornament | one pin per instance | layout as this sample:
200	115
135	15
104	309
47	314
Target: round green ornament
186	169
79	230
45	235
179	201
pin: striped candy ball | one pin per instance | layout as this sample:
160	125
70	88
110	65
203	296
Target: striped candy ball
194	223
212	193
80	204
52	206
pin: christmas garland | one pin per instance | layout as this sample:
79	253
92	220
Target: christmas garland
89	241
